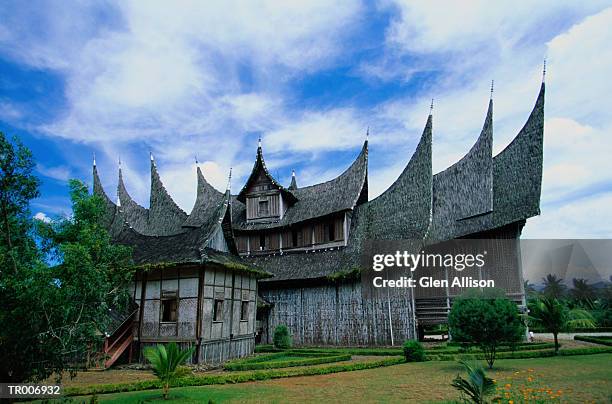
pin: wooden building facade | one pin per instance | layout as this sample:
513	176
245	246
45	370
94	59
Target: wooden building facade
310	240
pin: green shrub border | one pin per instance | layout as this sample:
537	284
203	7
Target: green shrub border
306	361
231	378
453	349
544	353
595	340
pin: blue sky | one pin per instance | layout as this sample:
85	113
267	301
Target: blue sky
207	79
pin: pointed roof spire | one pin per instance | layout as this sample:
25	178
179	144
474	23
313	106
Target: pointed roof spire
229	180
544	71
492	83
367	135
119	163
431	107
259	142
94	159
151	157
293	184
196	159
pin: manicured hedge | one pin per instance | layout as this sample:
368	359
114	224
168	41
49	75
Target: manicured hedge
520	354
272	364
604	340
227	378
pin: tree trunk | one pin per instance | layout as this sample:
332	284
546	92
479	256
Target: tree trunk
556	342
165	390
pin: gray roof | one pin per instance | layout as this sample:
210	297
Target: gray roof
465	189
207	198
339	194
474	195
494	191
259	166
403	211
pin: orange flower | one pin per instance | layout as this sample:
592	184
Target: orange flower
530	379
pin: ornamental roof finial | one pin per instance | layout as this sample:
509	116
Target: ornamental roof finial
431	107
259	142
196	159
544	71
94	159
492	83
293	173
368	133
119	162
229	180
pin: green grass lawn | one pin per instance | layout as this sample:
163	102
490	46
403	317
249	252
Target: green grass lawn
567	379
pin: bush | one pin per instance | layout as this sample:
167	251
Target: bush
487	322
413	351
248	376
270	363
595	340
282	339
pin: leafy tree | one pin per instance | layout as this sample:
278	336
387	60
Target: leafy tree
281	338
17	187
553	286
166	362
477	386
554	316
413	351
50	315
486	321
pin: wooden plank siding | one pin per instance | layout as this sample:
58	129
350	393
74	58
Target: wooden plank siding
338	314
196	290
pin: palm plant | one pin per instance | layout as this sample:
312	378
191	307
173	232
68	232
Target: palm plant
554	317
583	293
553	286
166	362
477	385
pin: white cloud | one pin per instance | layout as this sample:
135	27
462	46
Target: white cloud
42	217
59	173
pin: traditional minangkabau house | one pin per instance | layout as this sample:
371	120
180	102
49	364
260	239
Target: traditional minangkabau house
205	271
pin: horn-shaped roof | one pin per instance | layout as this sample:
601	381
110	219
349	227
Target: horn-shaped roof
260	166
136	215
465	189
403	210
165	217
109	207
207	198
517	170
194	246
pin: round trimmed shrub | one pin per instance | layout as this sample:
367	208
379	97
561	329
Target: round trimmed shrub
413	351
282	339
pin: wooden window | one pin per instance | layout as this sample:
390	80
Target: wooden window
262	241
331	231
295	238
218	310
263	209
244	311
169	307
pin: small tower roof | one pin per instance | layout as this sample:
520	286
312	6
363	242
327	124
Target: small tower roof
260	166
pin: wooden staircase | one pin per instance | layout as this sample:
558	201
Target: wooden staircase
116	344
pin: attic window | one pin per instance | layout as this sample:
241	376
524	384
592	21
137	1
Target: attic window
263	208
169	305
